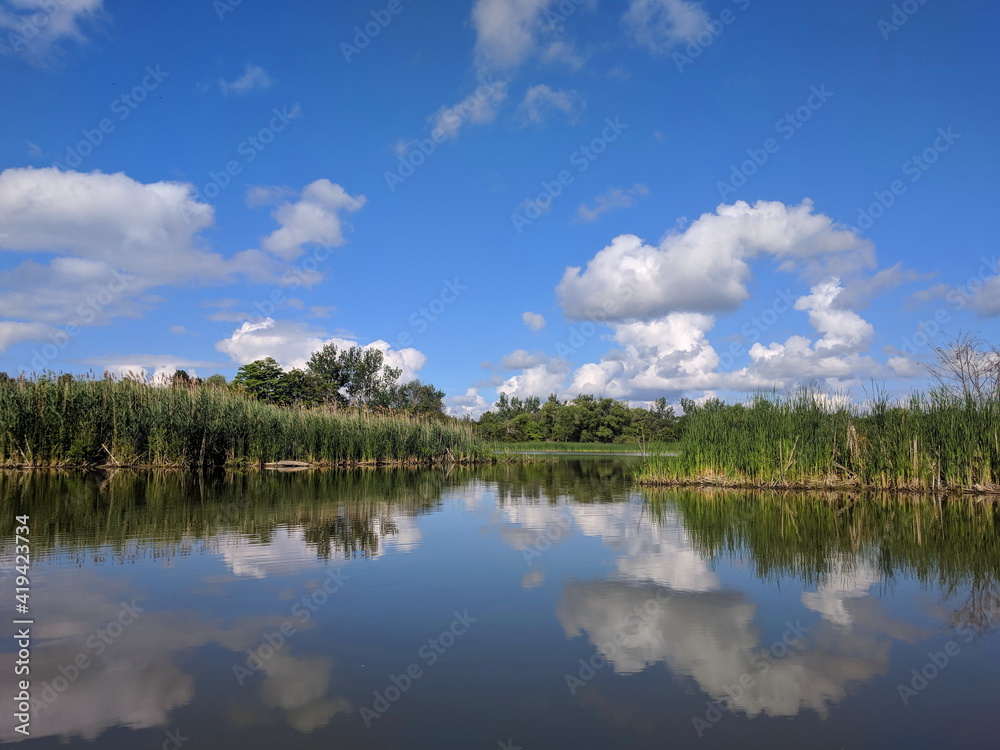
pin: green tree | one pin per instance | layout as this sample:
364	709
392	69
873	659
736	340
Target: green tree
491	426
355	376
502	404
419	398
547	415
261	379
370	383
661	423
216	381
300	387
327	366
527	428
566	427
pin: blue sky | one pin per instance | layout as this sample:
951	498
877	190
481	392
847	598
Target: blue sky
656	197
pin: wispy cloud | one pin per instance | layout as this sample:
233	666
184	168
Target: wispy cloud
534	321
540	102
661	25
36	29
510	32
610	200
267	195
479	107
254	78
522	359
507	31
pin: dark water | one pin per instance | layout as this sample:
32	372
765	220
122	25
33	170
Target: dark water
545	606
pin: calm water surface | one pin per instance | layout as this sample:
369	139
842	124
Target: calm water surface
545	606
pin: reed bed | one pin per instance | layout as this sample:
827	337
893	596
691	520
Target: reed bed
930	442
63	423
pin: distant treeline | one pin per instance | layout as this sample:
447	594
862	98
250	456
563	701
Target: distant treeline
584	419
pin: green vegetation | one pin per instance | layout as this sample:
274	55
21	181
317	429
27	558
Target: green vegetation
585	419
943	441
65	421
553	447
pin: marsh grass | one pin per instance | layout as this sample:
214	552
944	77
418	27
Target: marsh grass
47	422
931	442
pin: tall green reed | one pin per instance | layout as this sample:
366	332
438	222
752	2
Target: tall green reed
932	441
78	422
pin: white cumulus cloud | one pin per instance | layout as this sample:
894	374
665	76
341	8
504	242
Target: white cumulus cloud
469	404
539	379
706	267
314	218
99	242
